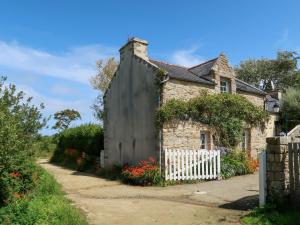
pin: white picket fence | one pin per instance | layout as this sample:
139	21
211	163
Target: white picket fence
183	164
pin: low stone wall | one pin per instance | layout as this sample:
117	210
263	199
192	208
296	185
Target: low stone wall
279	169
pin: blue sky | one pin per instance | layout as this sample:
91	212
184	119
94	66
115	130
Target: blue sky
49	48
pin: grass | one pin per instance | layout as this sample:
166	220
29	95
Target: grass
45	205
272	216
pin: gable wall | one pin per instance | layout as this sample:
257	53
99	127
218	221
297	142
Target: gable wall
130	105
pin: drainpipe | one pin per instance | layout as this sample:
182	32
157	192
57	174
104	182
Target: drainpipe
160	130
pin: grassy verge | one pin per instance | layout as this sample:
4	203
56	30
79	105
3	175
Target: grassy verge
44	205
272	216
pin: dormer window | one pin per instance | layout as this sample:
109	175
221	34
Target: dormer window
224	86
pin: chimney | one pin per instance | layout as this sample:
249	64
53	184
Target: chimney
134	46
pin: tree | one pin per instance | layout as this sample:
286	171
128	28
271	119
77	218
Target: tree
64	118
281	72
291	108
20	122
106	70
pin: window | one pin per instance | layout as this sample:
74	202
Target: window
224	85
245	139
203	140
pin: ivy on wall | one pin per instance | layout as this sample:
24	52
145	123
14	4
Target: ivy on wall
225	113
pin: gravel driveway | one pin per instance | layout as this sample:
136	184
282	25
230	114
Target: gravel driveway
113	203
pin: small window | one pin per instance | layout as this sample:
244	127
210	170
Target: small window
244	141
224	86
203	140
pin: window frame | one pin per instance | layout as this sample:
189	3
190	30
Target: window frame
205	144
244	145
227	85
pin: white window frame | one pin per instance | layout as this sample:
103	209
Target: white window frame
203	134
245	140
224	86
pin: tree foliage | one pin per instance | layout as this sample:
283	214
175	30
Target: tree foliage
64	118
20	122
283	71
291	108
105	72
225	113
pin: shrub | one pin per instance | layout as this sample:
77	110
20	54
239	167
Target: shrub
235	163
145	173
16	181
20	122
44	146
79	147
224	113
45	204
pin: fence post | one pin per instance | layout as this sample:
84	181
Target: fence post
262	178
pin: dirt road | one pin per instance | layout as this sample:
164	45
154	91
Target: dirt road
113	203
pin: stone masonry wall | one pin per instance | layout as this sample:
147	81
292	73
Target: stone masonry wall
278	184
185	135
183	90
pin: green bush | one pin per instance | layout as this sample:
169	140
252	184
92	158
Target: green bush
235	163
44	146
78	147
20	122
271	215
16	181
45	205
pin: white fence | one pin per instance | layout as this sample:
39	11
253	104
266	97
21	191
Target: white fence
192	164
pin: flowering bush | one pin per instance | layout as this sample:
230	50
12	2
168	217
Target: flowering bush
16	181
236	162
145	173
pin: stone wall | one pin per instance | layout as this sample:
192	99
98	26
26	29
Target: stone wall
257	100
221	69
278	170
183	90
130	104
185	135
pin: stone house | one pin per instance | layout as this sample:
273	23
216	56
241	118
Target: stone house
131	101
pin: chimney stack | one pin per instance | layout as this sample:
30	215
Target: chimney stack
135	46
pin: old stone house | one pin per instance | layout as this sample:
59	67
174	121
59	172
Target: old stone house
133	97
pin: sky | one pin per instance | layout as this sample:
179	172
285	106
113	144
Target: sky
49	48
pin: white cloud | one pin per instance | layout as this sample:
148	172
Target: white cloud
55	104
76	64
186	57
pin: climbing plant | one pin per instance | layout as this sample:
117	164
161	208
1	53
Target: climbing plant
225	113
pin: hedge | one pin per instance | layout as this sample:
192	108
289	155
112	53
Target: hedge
79	146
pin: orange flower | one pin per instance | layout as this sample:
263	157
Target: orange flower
78	160
71	151
15	174
17	195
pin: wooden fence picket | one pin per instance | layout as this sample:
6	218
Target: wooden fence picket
184	164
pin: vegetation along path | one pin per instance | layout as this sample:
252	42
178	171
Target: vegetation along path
113	203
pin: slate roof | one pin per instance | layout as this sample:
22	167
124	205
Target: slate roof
203	69
243	86
181	73
198	74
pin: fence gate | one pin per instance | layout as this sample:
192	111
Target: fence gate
192	164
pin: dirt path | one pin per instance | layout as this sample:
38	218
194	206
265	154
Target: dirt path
113	203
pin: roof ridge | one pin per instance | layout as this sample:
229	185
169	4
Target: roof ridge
203	63
160	61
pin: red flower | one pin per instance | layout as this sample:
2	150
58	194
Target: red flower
15	174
